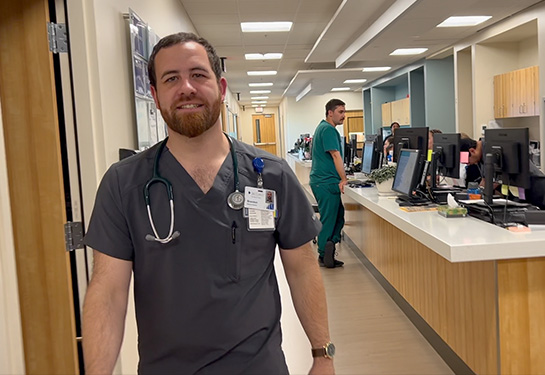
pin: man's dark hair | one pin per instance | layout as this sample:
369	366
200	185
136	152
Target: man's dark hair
180	38
467	143
332	105
394	123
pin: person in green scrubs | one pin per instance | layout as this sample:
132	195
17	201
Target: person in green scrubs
327	181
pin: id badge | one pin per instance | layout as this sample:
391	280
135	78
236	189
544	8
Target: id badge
259	199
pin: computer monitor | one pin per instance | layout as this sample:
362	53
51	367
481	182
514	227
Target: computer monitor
385	132
353	146
372	153
506	155
411	138
446	155
408	171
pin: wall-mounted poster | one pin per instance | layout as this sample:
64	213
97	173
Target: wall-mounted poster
152	121
142	124
150	125
139	37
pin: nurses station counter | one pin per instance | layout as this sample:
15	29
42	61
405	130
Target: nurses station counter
479	287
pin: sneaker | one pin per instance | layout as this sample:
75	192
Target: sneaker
329	253
337	263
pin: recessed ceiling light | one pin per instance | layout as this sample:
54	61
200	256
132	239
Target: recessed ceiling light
340	89
259	97
259	102
408	51
261	56
262	84
461	21
262	72
355	80
260	91
255	105
257	27
376	69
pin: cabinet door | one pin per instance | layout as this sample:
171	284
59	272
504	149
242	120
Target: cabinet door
498	96
386	114
401	111
406	110
510	106
535	80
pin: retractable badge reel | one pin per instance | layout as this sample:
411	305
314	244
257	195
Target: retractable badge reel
258	167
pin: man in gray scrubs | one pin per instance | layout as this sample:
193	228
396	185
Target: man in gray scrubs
206	294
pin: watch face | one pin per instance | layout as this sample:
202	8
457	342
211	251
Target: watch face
330	349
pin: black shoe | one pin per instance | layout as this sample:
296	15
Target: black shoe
329	253
337	263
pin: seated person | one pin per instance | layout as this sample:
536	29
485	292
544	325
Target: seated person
388	143
475	170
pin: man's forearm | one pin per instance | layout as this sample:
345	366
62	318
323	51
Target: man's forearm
103	328
309	300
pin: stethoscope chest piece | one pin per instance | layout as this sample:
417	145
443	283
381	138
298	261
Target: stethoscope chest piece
235	200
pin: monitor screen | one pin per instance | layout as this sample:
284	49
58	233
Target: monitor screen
446	148
411	138
510	154
407	171
367	163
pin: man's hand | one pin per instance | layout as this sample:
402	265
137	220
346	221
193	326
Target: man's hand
341	185
322	366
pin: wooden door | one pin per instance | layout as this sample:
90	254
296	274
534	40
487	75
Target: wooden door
264	132
38	210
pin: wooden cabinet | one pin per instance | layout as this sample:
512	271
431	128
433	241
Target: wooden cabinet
516	93
386	114
396	111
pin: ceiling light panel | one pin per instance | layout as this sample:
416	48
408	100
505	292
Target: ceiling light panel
260	84
355	80
262	27
259	102
408	51
261	56
340	89
260	91
262	72
463	21
376	69
259	97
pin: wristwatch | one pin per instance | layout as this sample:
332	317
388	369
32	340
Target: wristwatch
327	351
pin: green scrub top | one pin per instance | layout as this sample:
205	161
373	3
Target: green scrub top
326	138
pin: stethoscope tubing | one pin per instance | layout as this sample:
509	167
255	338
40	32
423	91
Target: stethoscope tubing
157	178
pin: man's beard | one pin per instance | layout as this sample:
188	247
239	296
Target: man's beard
193	124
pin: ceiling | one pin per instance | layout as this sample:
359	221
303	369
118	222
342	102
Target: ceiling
331	40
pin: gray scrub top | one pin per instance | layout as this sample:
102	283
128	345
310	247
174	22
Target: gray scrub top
206	302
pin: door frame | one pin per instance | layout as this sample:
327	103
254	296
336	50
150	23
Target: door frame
36	192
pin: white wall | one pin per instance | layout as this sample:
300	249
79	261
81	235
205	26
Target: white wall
11	336
303	116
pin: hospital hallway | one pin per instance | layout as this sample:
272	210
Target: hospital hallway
371	334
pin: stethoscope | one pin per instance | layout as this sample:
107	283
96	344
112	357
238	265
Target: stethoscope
235	200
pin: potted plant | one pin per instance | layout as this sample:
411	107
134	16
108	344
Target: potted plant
384	178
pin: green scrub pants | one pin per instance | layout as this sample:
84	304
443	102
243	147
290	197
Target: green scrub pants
331	210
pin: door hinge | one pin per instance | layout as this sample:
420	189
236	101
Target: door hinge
58	38
73	235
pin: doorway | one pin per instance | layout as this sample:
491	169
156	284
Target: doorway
264	132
